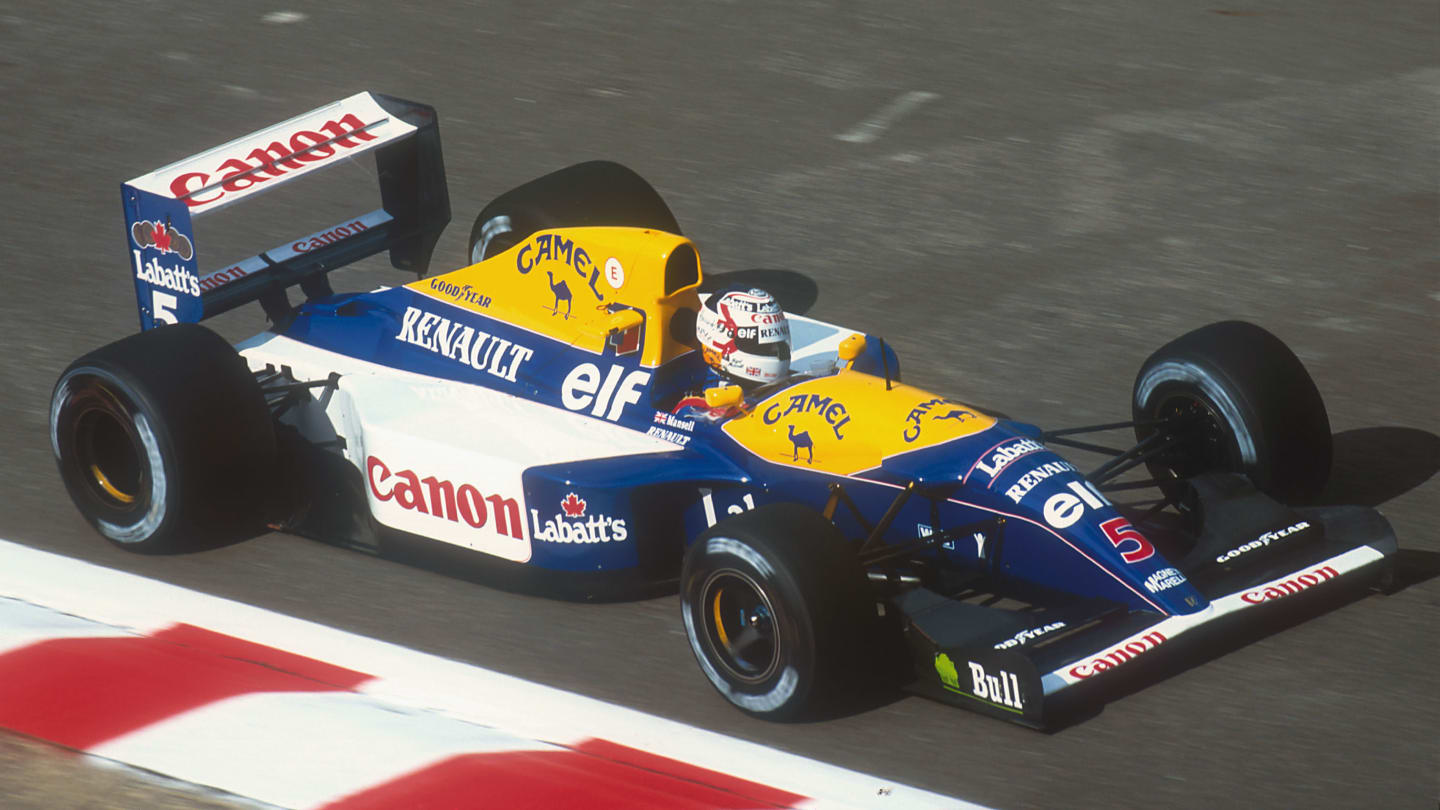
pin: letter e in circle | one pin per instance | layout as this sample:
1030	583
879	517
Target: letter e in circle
614	273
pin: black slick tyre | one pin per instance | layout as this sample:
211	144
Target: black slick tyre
163	440
596	193
1237	399
776	609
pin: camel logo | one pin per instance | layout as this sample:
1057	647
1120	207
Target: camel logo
923	409
556	248
801	441
561	290
829	409
162	236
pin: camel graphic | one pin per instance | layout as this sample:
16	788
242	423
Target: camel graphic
957	415
801	439
562	293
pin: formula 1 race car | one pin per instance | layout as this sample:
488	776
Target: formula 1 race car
531	407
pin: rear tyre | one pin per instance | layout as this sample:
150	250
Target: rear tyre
596	193
1237	400
776	609
163	440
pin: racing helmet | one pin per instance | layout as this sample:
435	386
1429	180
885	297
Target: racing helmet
743	335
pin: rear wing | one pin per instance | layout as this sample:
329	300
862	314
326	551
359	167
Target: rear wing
160	207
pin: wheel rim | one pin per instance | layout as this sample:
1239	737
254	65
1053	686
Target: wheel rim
1203	446
108	456
740	625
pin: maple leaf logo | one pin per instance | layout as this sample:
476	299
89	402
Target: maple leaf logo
162	237
573	506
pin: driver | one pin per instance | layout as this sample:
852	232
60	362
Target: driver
744	339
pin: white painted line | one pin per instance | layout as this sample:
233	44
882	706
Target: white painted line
411	681
875	126
302	749
26	624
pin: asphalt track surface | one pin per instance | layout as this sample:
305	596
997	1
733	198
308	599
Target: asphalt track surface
1025	199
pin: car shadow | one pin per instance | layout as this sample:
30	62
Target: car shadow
1374	465
796	292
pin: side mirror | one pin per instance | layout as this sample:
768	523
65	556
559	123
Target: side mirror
624	330
851	348
624	319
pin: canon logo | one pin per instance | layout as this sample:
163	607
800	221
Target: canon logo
1286	587
446	501
1116	656
272	161
329	237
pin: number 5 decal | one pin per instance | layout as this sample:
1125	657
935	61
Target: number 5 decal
163	307
1119	530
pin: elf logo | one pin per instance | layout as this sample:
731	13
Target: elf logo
584	387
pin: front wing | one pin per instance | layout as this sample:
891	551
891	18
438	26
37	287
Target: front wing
1040	669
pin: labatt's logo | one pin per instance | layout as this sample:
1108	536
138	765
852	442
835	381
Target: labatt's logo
175	278
995	461
571	525
272	161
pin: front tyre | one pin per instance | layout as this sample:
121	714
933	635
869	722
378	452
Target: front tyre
775	608
163	440
1231	397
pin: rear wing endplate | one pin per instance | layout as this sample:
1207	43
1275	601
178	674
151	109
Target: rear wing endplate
160	207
